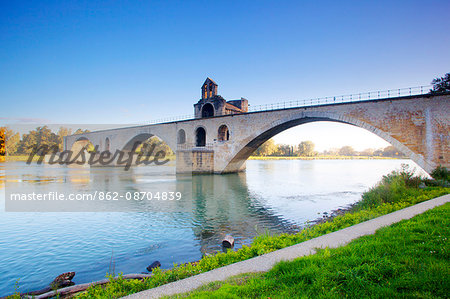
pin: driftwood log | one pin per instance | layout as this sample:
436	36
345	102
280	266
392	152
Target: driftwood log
228	241
82	287
61	281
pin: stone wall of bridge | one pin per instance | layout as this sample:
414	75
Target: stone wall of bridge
418	126
124	138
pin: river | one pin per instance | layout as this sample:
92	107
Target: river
270	196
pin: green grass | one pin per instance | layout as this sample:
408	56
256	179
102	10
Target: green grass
396	191
410	259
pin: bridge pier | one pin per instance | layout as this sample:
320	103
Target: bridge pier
195	160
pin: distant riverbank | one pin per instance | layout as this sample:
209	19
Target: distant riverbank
323	157
21	158
24	158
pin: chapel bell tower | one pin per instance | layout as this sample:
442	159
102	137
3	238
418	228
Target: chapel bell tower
209	89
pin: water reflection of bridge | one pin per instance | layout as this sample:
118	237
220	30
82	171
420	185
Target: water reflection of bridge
216	204
222	204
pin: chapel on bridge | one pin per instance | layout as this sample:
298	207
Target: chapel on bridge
212	104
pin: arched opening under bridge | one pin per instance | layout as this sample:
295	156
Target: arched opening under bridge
294	135
147	144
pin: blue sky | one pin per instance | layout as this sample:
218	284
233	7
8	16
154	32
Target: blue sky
132	61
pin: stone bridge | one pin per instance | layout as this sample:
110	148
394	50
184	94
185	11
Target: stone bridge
224	134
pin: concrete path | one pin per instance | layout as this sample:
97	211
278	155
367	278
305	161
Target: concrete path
265	262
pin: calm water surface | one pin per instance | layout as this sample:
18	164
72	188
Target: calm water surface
278	196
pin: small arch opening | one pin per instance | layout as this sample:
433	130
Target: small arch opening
207	110
200	137
107	144
224	133
181	138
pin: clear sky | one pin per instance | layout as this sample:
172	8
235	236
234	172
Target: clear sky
132	61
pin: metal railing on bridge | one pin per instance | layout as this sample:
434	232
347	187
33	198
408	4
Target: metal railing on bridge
170	119
355	97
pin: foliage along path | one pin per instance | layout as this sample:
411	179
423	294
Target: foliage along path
266	262
407	259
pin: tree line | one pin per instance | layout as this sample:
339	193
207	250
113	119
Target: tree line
16	144
307	149
2	145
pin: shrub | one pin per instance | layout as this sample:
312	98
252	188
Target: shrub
391	189
441	174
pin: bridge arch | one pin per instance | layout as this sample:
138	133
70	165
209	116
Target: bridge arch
73	148
80	143
249	144
132	144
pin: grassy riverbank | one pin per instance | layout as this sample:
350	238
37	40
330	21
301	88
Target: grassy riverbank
408	259
22	158
396	191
